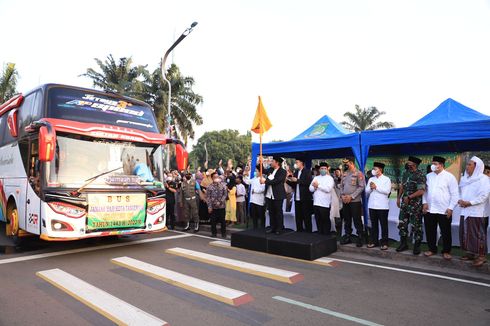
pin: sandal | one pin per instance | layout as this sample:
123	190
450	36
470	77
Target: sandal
384	247
479	262
467	257
371	245
447	256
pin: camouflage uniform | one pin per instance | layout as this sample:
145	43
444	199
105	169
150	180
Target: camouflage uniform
411	213
189	202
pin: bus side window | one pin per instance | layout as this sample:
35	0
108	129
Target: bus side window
29	111
5	136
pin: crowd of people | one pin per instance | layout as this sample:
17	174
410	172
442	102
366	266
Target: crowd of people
426	201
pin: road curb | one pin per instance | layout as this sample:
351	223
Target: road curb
408	256
391	254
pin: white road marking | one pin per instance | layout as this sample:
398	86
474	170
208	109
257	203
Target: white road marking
238	265
76	251
409	271
109	306
208	289
326	311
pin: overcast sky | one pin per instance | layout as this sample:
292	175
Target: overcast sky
304	58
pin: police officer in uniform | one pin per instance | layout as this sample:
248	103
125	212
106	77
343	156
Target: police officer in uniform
410	202
189	203
351	187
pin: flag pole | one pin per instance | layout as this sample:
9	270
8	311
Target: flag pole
260	160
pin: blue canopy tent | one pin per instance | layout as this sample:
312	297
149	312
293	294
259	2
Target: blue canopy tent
325	138
451	127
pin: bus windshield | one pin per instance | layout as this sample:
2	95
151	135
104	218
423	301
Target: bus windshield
92	107
77	161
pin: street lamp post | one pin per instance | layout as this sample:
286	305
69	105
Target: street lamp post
162	69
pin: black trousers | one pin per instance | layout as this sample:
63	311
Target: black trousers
379	217
322	217
257	213
431	221
302	213
352	211
170	213
276	216
218	216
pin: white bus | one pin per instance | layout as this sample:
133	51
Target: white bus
78	163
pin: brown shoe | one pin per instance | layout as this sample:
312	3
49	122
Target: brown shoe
467	257
479	262
428	253
447	256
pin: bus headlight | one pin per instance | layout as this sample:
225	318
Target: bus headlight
67	209
155	206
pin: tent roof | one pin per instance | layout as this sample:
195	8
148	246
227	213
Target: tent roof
323	128
450	111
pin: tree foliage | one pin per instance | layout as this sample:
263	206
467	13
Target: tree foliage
222	145
365	119
8	82
124	78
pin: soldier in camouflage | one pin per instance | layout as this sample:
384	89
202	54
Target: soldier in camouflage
410	203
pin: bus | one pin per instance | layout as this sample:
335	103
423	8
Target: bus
79	163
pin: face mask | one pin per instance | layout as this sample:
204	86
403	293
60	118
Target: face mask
433	168
323	172
170	179
346	167
295	166
267	166
374	172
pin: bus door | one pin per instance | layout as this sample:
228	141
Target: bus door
33	200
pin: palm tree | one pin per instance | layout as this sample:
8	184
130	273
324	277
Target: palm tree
365	119
8	82
121	78
183	101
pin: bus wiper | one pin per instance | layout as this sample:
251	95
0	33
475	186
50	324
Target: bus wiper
77	192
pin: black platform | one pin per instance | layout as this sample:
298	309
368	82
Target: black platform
308	246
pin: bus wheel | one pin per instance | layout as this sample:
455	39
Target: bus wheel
12	228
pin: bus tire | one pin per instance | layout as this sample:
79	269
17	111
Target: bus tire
12	226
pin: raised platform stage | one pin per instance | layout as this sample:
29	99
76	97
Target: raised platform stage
308	246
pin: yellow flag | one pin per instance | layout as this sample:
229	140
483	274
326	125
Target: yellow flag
261	121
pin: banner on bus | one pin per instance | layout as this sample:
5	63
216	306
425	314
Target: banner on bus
110	211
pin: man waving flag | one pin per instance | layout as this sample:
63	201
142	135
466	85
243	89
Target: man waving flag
260	125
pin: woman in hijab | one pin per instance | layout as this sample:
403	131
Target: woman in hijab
474	189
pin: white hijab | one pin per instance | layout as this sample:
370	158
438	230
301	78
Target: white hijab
477	173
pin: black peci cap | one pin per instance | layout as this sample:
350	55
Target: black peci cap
414	159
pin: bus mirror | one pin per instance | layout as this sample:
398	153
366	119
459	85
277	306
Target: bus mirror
182	157
12	122
47	143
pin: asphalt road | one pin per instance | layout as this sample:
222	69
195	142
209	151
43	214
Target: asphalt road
344	294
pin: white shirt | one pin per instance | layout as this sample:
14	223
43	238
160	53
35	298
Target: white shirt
441	192
296	193
322	195
270	193
378	198
257	192
477	194
240	193
486	212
